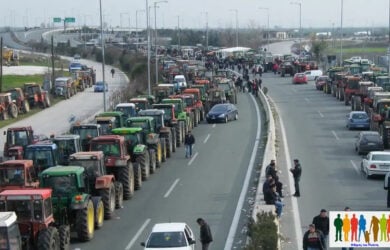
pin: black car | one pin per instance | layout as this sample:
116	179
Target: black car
222	113
368	141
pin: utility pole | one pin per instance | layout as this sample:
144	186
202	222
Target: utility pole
207	31
148	34
103	58
341	34
136	26
1	64
155	37
178	29
52	63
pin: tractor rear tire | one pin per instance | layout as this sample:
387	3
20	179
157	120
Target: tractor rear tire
108	197
173	134
168	146
126	177
196	119
99	212
144	162
25	107
13	110
64	234
153	161
163	151
178	130
138	175
49	239
118	195
342	95
85	222
353	103
158	152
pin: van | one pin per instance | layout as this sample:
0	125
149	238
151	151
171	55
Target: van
313	74
180	80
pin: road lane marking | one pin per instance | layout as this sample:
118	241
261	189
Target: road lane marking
136	236
322	115
207	138
214	125
355	167
241	199
171	188
193	158
307	100
335	135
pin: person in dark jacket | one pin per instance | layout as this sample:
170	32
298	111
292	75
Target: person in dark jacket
321	223
189	141
297	172
205	233
313	239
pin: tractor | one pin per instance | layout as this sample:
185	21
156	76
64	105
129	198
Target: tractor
86	133
110	120
180	113
7	107
140	103
357	99
118	162
351	87
67	144
128	109
215	96
11	238
198	104
36	96
34	211
43	154
18	174
18	138
20	100
64	87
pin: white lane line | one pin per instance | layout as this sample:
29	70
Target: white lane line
294	201
240	203
335	135
322	115
207	138
193	158
136	236
307	100
171	188
214	125
355	167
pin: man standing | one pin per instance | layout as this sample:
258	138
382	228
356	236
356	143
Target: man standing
321	223
205	233
313	239
297	172
189	140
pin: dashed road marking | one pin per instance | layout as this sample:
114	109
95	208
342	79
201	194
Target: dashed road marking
207	138
355	167
335	135
136	236
193	158
214	125
171	188
322	115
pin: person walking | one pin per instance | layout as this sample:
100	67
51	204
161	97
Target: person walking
296	172
313	239
321	223
189	141
205	233
112	72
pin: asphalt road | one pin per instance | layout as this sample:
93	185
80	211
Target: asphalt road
316	134
206	186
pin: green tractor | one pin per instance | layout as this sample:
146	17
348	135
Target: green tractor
171	121
110	120
150	136
72	204
86	133
138	150
181	115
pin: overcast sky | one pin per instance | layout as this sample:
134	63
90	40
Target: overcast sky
221	13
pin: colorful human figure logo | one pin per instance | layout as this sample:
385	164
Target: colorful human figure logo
382	224
346	227
374	227
354	228
362	225
338	223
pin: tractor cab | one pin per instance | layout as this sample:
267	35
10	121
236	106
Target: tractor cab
10	237
67	144
18	174
158	116
133	137
17	140
43	155
128	109
86	133
92	161
106	124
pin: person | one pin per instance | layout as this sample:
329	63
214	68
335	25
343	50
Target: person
268	193
297	172
279	187
321	223
112	72
205	233
189	140
271	169
267	183
313	239
271	197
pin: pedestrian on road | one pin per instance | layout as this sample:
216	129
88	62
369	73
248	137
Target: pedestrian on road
321	223
205	233
313	239
297	172
189	141
112	72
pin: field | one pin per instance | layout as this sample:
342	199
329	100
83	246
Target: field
17	81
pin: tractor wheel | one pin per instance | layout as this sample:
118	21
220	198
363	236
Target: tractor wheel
13	110
138	175
173	133
47	101
183	130
64	234
153	161
4	115
158	152
202	114
25	107
163	151
144	162
178	130
333	91
85	222
108	197
126	177
49	239
118	195
196	119
99	213
168	146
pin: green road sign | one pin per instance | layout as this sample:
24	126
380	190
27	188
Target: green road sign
56	19
70	19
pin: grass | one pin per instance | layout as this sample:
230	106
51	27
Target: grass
17	81
360	50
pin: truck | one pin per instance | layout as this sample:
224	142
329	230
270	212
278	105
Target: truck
86	132
67	144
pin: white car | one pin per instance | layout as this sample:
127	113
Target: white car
177	236
313	74
376	163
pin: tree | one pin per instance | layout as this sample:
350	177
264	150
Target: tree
318	47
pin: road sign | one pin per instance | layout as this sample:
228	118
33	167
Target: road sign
56	19
70	19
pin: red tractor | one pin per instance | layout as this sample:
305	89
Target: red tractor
36	96
18	138
198	104
351	88
18	174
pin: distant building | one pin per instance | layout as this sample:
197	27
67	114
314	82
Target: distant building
362	33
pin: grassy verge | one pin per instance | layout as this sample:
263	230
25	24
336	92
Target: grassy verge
17	81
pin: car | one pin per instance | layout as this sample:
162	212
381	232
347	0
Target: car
357	119
313	74
99	87
176	235
77	57
180	80
321	81
367	141
75	66
299	78
222	112
375	163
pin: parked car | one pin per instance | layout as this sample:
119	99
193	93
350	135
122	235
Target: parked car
99	87
358	119
367	141
299	78
321	81
75	66
223	112
170	236
376	163
313	74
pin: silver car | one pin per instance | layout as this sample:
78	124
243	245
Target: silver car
376	163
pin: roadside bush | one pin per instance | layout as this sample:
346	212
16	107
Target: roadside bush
263	233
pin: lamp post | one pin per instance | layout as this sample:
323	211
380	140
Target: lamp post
207	29
148	34
300	25
103	59
155	35
341	33
267	9
178	30
236	12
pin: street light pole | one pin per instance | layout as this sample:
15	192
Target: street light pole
267	9
148	32
341	33
300	25
103	59
236	12
155	36
178	30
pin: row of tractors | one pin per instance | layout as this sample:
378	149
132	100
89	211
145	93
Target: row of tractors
364	89
58	186
287	65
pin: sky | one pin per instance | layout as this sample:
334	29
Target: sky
196	13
